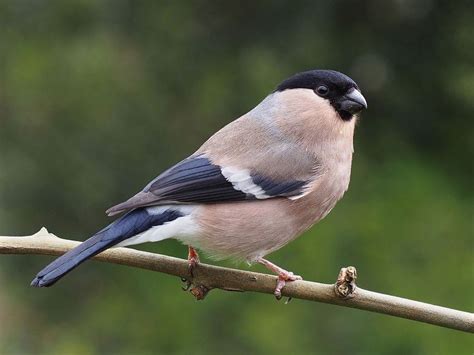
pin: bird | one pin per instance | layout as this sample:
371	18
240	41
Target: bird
255	185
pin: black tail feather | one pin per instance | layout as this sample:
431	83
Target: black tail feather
73	258
127	226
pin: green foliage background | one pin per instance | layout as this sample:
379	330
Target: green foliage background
98	97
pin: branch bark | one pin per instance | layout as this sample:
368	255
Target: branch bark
207	277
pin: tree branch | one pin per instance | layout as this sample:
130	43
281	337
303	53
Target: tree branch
207	277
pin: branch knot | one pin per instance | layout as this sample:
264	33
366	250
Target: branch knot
345	285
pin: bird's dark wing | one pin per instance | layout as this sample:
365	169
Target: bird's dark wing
198	180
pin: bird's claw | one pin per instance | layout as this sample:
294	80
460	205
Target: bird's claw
187	284
192	265
283	278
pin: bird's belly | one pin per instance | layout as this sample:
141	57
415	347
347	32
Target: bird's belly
252	229
249	230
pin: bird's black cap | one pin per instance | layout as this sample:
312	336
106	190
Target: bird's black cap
311	79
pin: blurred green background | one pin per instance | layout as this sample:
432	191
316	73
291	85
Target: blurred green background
98	97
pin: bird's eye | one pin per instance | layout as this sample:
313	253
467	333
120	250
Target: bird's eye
322	90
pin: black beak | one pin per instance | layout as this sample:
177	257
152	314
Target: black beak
352	102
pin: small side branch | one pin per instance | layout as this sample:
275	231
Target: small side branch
208	277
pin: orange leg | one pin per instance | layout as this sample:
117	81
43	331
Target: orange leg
193	259
283	275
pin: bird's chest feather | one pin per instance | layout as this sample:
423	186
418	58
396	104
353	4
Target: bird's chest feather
326	191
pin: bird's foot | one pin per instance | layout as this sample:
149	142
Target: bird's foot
193	259
197	290
282	279
283	276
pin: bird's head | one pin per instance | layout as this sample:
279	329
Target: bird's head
337	89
